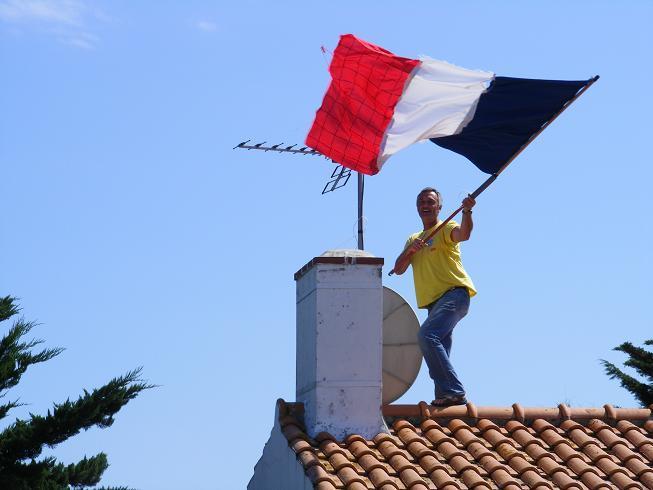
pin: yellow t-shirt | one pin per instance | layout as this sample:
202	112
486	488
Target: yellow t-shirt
437	267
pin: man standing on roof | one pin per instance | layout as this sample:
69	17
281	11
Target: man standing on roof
442	287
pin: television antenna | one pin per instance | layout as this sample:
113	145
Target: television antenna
339	176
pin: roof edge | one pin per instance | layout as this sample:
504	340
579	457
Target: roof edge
423	410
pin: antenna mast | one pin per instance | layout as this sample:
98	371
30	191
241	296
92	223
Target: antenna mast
361	188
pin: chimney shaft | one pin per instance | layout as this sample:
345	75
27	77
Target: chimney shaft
339	343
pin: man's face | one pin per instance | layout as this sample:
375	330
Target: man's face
428	206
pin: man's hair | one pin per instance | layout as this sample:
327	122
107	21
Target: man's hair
430	189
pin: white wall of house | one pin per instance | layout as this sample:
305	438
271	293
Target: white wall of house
278	467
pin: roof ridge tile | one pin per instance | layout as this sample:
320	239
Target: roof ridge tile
517	412
472	411
564	411
424	411
610	412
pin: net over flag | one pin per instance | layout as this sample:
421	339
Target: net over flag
379	103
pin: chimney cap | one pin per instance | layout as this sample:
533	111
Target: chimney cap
341	256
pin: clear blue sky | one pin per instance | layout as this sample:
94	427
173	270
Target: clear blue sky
135	234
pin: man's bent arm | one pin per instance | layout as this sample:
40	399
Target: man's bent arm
401	264
403	261
464	231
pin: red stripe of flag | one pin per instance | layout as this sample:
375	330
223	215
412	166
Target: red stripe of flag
367	82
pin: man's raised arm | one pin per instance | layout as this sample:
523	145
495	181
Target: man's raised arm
464	231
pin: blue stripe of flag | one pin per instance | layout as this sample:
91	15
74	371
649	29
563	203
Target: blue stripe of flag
507	115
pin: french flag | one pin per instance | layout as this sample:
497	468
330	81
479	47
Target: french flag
378	104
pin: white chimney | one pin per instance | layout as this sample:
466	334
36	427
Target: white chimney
339	343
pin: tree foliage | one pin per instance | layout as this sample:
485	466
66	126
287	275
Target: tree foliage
22	442
641	360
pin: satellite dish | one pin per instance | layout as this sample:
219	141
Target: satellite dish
402	356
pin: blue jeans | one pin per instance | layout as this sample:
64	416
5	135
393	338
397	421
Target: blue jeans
435	340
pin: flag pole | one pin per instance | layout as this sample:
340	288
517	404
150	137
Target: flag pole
494	176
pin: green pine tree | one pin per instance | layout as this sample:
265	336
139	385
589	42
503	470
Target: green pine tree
22	442
641	360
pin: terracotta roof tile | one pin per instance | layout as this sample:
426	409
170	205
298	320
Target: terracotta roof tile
623	451
461	447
